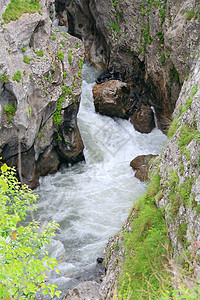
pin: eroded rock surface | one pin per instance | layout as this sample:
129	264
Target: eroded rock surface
111	98
143	119
88	290
40	78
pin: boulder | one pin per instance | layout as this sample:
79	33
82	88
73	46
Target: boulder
143	119
111	98
140	165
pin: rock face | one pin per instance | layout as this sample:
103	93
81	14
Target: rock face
151	43
140	164
40	79
88	290
111	98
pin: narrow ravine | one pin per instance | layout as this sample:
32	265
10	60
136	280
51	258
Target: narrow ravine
92	199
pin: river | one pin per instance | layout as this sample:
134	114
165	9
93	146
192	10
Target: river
92	199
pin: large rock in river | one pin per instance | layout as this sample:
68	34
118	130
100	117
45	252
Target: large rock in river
111	98
143	119
140	165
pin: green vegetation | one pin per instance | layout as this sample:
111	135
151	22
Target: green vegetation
4	78
10	111
24	49
163	59
29	111
173	128
27	59
17	76
190	14
16	8
60	55
186	135
174	75
146	250
70	58
57	114
53	37
23	264
39	52
80	63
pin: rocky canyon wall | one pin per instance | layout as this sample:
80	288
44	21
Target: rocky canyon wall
40	86
150	44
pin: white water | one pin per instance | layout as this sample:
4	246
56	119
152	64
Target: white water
92	199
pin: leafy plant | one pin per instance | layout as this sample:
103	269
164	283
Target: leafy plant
27	59
10	111
16	8
23	263
17	76
24	49
4	78
39	53
53	37
190	14
60	55
80	63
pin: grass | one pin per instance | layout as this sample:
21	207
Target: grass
145	250
186	135
16	8
173	128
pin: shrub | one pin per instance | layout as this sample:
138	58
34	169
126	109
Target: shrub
23	264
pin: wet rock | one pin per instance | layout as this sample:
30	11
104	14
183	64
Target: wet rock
100	260
88	290
111	98
140	165
143	119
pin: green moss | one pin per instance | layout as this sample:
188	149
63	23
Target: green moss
16	8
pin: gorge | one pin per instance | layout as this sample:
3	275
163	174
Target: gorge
148	52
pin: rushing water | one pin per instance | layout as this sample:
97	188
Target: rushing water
92	199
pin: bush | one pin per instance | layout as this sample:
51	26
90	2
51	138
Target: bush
23	263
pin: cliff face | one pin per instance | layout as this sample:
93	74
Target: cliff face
40	86
152	44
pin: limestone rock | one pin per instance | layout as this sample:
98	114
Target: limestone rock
140	165
45	95
88	290
111	98
143	120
